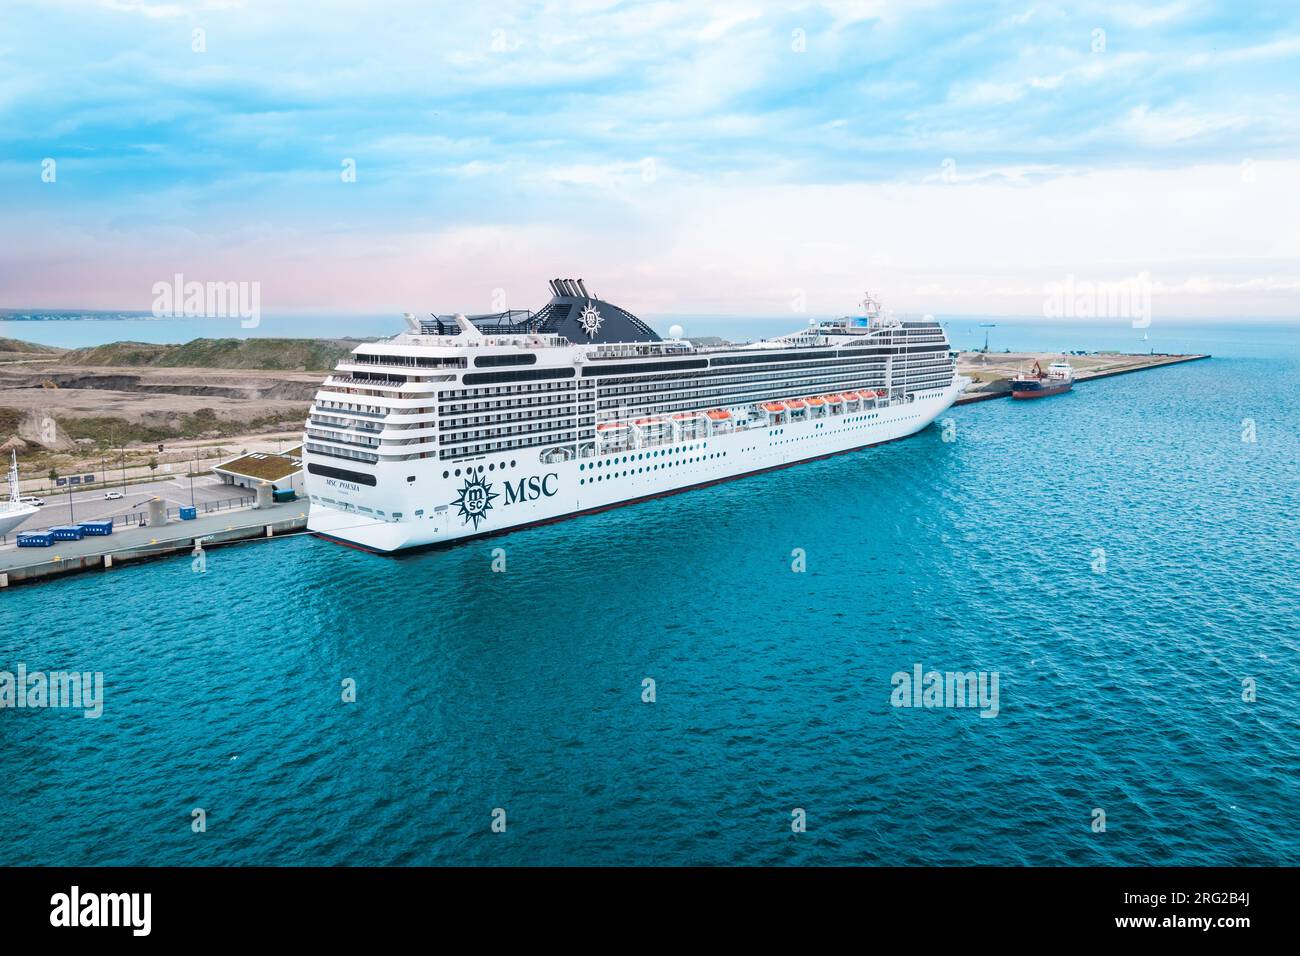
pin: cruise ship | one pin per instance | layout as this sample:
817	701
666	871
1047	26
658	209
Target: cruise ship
465	426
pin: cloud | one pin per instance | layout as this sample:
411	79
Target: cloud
678	145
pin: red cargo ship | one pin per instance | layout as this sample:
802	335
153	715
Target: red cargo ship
1058	378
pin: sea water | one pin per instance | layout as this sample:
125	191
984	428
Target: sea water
711	677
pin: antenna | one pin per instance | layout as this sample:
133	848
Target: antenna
14	493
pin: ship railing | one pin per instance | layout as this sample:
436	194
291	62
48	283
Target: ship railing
347	412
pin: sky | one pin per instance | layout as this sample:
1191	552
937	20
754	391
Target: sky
684	158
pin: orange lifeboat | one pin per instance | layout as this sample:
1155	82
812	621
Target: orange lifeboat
850	396
816	402
773	407
795	404
833	399
610	426
718	414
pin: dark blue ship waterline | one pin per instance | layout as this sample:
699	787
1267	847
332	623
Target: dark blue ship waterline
1123	589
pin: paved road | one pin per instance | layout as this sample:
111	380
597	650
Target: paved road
92	506
92	463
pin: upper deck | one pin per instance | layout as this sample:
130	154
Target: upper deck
572	329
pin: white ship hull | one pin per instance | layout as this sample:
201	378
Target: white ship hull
12	518
412	505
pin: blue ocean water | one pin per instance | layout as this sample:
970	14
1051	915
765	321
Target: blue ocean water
1120	673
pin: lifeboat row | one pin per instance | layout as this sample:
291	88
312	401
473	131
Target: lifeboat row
617	430
687	421
821	401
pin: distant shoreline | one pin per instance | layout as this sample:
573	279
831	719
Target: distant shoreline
79	316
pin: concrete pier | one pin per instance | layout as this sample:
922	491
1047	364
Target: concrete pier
25	565
994	370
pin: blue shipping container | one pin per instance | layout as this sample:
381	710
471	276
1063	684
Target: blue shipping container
96	527
35	539
66	532
189	514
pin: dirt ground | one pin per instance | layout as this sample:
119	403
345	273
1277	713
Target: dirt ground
75	419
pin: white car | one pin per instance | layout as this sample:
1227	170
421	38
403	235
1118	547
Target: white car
30	500
112	495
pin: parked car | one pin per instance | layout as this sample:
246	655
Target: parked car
112	495
32	500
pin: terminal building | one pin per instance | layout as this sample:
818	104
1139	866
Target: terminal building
283	471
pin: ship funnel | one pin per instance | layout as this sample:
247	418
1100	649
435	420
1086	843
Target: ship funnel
585	293
411	322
